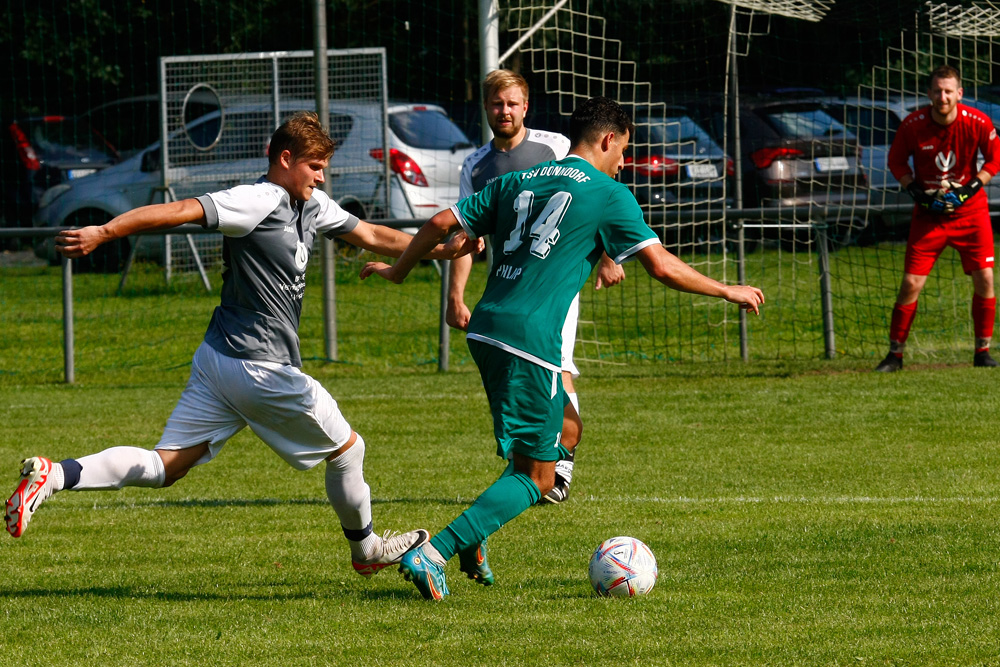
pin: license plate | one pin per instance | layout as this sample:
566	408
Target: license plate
79	173
702	171
832	164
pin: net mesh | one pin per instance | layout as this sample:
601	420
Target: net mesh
679	67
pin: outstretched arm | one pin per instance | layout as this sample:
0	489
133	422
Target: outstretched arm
425	239
392	242
674	273
76	243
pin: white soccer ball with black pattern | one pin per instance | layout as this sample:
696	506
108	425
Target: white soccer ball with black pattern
623	567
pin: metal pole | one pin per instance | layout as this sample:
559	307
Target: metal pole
444	332
826	290
489	49
489	60
741	278
69	371
327	250
734	98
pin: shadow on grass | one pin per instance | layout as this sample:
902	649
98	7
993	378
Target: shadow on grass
404	592
274	502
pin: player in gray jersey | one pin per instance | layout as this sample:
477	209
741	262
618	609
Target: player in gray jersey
550	224
247	370
515	148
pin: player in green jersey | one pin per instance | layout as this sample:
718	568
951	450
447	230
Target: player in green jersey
550	225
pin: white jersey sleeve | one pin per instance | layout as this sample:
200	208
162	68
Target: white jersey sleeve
465	188
331	220
557	142
240	209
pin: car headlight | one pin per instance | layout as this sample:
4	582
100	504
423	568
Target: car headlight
52	194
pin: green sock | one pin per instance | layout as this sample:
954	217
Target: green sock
505	499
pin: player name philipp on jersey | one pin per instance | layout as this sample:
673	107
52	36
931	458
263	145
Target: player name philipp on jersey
508	272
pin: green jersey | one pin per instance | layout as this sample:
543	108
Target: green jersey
550	224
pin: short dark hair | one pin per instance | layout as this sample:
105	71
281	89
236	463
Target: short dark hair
303	136
596	117
944	72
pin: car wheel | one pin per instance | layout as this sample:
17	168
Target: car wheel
109	257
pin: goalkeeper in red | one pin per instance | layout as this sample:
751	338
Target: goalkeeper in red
550	224
944	141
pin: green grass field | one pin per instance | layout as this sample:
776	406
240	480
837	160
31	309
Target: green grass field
802	512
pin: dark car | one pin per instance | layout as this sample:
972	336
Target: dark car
793	155
673	161
131	124
39	152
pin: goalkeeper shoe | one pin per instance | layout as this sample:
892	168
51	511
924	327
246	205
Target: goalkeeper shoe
36	485
984	360
393	548
890	364
473	562
428	577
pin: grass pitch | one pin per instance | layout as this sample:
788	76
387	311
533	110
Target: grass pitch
799	517
802	513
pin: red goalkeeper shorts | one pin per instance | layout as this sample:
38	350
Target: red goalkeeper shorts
971	236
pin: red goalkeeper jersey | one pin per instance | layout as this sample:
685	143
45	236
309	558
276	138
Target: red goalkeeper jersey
946	152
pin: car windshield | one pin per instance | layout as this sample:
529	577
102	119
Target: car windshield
804	123
679	133
873	126
427	128
65	138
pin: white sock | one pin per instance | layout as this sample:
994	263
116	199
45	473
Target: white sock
120	466
564	469
56	477
352	501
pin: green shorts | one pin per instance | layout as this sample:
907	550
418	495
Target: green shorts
526	401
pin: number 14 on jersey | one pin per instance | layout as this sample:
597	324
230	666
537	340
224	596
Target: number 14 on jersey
544	225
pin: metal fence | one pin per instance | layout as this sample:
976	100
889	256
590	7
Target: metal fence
218	113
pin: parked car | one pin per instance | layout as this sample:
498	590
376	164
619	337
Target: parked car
39	152
673	161
131	124
794	154
228	147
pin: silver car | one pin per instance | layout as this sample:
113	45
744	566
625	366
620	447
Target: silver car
426	153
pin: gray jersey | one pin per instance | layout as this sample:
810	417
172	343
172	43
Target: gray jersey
488	164
266	246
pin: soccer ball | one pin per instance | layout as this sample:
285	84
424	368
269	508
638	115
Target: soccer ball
622	567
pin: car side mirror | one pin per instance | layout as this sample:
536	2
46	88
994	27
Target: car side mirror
151	160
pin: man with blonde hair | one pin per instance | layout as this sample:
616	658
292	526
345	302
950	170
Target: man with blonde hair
514	148
247	370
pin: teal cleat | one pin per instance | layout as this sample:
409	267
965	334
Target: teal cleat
428	577
473	562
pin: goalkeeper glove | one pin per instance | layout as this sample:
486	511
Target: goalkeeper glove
961	194
927	199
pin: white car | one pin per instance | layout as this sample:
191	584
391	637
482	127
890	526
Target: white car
228	147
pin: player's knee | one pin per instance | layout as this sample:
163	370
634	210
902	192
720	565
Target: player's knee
173	476
572	429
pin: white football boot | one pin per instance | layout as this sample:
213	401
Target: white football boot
393	547
35	487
